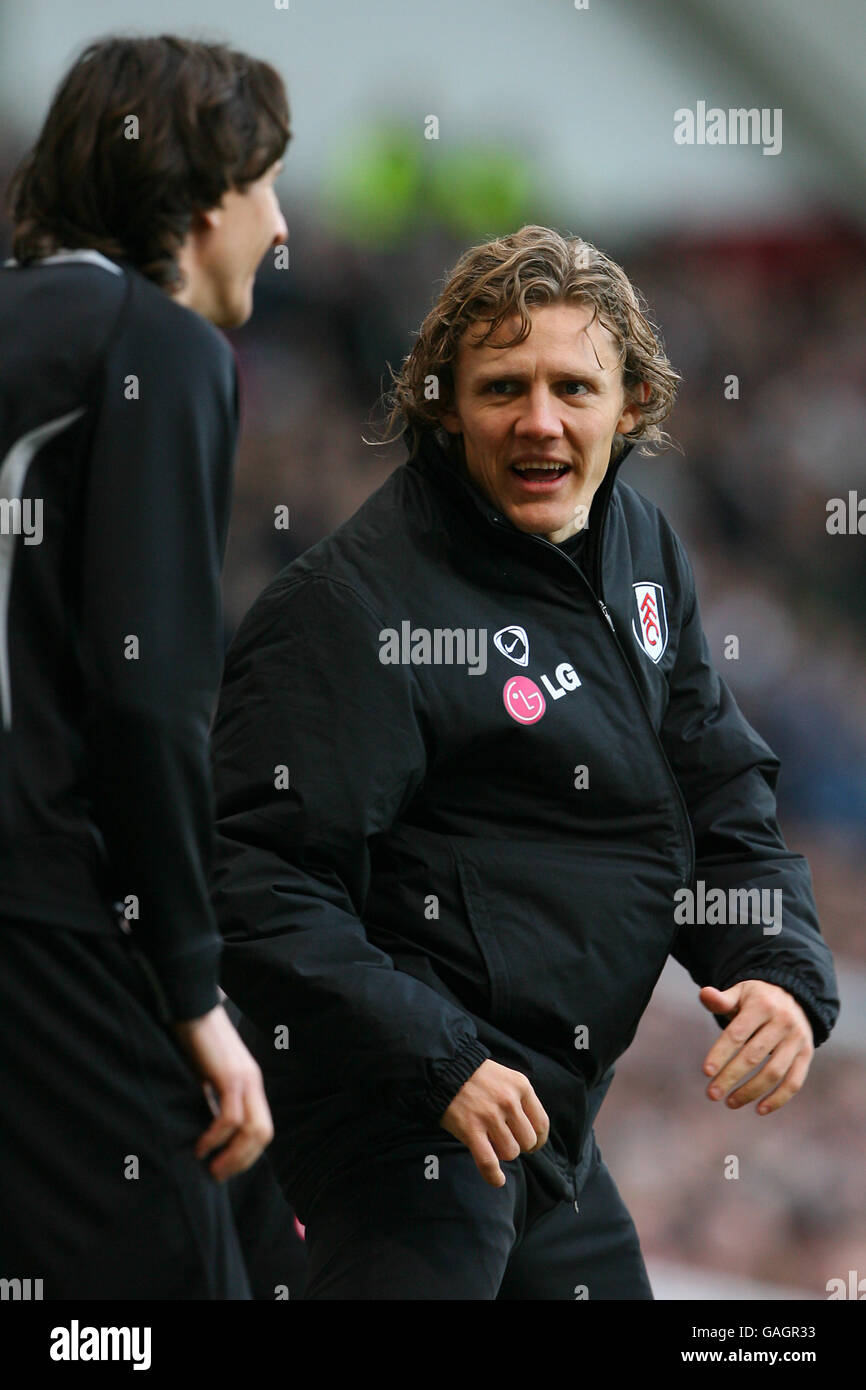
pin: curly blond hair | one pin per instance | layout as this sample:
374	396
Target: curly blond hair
507	276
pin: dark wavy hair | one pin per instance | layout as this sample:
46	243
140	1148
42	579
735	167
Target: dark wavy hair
209	119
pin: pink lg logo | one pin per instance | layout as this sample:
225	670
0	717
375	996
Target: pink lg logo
523	700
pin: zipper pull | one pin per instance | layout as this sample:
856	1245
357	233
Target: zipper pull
607	615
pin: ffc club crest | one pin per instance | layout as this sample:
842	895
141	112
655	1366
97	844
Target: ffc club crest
650	626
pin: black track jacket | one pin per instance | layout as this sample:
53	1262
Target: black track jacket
118	424
413	872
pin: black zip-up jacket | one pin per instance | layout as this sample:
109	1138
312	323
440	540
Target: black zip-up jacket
118	421
413	872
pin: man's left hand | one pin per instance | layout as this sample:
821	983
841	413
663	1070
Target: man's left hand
768	1023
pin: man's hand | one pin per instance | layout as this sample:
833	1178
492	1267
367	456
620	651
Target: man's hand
768	1022
242	1117
496	1114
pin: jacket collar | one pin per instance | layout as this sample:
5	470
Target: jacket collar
436	460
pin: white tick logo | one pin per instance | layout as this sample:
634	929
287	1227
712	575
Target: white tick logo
513	643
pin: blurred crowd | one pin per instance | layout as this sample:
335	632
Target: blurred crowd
747	488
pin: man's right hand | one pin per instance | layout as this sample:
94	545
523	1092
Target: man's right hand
496	1114
242	1119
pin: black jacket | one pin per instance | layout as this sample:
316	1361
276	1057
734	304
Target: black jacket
412	874
118	420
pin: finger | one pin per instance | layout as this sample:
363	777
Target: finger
259	1112
774	1070
720	1001
759	1046
250	1138
789	1087
751	1017
241	1152
504	1141
522	1129
538	1118
485	1160
231	1115
211	1098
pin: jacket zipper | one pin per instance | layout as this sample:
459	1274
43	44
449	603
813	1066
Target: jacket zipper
685	823
680	799
601	607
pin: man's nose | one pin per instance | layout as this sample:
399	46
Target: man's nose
281	231
540	419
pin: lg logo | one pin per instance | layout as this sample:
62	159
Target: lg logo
523	700
526	703
566	678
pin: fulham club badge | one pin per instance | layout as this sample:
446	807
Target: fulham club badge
650	626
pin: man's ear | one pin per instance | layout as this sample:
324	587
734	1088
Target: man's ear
631	415
450	421
206	221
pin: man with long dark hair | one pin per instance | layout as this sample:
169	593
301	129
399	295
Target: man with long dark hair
140	218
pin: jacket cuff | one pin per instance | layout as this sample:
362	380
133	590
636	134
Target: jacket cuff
187	986
820	1017
449	1076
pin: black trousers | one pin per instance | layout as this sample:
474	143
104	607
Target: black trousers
274	1249
421	1223
101	1195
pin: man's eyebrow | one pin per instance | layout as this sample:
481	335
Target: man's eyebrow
493	373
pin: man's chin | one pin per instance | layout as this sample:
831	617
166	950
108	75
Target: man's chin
237	310
238	317
539	520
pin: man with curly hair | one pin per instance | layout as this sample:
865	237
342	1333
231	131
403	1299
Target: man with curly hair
471	759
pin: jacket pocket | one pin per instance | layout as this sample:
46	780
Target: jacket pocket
416	911
574	936
478	918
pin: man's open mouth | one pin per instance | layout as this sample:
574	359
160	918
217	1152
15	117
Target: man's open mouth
540	472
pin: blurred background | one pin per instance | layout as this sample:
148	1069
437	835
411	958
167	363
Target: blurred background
754	265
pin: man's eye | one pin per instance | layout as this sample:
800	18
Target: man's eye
575	388
500	388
